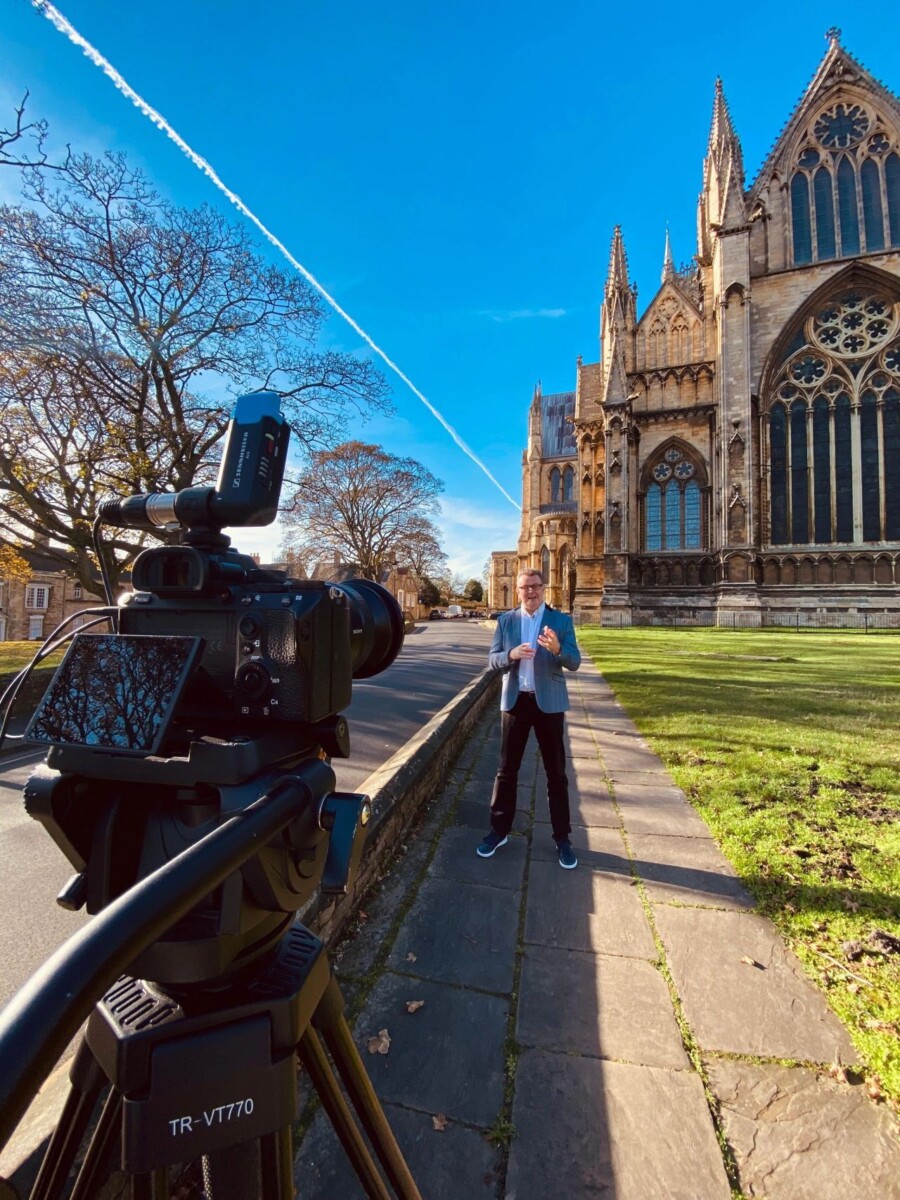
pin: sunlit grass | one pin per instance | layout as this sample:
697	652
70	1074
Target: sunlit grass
787	744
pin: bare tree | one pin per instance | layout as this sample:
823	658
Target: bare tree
423	550
363	505
22	145
126	327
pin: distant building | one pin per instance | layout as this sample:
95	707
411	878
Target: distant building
31	609
502	581
737	447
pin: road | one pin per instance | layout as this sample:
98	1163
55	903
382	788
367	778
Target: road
436	662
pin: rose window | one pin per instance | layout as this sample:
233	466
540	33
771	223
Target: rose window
808	370
841	126
854	326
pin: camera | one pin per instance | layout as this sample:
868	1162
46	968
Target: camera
221	678
275	649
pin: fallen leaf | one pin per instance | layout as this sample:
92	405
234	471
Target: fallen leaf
414	1005
361	916
873	1087
837	1070
751	962
410	957
853	950
439	1121
850	905
380	1044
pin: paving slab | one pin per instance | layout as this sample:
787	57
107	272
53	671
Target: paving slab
688	870
660	811
592	808
486	732
765	1007
433	1058
623	752
445	1165
798	1135
475	814
455	859
583	910
598	847
580	742
608	1007
587	771
647	776
461	934
659	791
588	1128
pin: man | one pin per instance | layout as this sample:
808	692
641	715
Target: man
532	644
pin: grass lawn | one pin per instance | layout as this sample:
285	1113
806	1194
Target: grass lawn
15	655
788	744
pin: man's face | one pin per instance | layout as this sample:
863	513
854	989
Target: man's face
531	592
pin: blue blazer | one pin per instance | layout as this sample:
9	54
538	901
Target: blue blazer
549	682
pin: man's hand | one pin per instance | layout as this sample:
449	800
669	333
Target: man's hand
548	639
526	650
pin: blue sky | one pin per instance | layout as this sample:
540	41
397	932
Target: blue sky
451	173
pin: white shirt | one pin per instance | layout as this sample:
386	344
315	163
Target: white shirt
531	627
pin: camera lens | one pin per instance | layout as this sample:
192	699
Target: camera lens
376	626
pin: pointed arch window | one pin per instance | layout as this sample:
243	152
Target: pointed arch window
568	484
849	216
845	187
673	504
825	241
834	426
554	485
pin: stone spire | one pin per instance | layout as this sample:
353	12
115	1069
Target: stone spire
668	271
535	420
617	273
618	308
722	204
617	320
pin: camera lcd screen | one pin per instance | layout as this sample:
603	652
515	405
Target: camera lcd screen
115	692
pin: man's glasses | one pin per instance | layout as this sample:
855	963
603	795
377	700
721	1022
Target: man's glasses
530	587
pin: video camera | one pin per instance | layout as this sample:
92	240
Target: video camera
220	678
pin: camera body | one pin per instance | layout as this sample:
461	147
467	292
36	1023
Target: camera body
273	651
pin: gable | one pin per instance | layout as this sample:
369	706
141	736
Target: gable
843	104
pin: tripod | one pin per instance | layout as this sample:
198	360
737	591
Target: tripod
198	1069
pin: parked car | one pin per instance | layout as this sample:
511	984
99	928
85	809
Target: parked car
435	615
494	616
455	610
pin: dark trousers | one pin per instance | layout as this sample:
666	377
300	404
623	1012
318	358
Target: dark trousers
515	726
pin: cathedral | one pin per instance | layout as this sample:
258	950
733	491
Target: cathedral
736	450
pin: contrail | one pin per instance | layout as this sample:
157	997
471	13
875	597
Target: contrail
59	21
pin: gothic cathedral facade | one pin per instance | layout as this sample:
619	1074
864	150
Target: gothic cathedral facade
737	448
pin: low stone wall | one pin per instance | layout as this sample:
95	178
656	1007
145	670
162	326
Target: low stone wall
398	789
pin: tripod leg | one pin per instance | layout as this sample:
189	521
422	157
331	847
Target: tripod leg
233	1173
154	1186
277	1162
316	1063
329	1019
87	1082
95	1166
